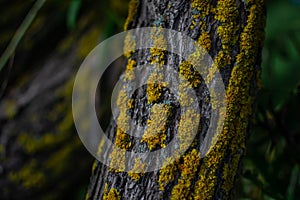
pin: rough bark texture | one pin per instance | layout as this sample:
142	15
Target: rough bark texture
232	32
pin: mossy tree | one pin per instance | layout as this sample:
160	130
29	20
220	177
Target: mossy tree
232	32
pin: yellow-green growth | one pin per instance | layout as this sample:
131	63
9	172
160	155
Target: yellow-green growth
189	74
113	194
205	41
159	46
167	172
123	118
29	176
122	139
129	43
238	104
197	56
137	171
117	162
62	155
156	126
131	103
10	108
222	59
100	146
129	74
227	14
155	85
189	167
200	10
132	10
188	125
33	144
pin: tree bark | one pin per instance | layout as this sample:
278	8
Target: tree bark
232	33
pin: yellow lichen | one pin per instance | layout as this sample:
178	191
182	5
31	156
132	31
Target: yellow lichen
129	43
29	176
226	13
189	73
122	139
132	10
200	9
185	99
155	85
123	118
156	126
222	59
113	193
188	126
168	172
159	46
129	74
238	105
117	160
189	167
94	166
205	41
137	171
130	103
157	121
197	56
100	146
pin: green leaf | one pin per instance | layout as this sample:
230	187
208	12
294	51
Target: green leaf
293	182
72	13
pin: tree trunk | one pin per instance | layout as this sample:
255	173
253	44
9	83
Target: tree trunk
232	33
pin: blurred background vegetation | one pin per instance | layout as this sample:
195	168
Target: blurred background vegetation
41	156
